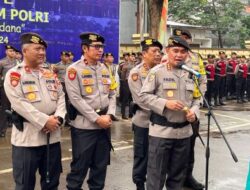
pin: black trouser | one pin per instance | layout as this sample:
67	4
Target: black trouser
167	157
5	105
140	154
230	81
248	88
219	83
210	90
191	157
67	102
240	87
126	98
90	150
26	161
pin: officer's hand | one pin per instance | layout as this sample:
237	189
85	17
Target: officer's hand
191	117
174	105
104	121
52	124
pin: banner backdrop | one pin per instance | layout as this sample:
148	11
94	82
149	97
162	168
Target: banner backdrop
60	22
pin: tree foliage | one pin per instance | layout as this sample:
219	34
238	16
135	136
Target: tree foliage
225	17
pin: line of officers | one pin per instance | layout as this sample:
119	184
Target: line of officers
227	78
165	115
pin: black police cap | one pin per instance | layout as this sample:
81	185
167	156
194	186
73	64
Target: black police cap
174	41
126	54
108	54
210	56
179	32
65	53
8	46
89	37
150	42
32	38
221	52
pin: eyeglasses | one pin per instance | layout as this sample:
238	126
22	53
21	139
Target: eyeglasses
97	46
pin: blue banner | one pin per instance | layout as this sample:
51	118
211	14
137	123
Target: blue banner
60	22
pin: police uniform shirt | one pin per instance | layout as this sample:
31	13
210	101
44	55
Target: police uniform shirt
88	88
165	83
136	79
61	70
35	96
5	65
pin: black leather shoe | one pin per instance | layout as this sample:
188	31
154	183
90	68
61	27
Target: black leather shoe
140	186
124	117
192	183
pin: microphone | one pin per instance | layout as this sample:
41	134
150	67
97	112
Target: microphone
183	66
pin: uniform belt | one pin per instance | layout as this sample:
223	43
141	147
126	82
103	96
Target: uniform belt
161	120
102	111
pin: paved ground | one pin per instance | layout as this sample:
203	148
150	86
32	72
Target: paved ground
224	173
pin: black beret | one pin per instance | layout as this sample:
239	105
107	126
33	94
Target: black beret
134	54
71	53
89	37
179	32
177	41
8	46
32	38
150	43
210	56
233	53
65	53
126	54
243	56
108	54
221	52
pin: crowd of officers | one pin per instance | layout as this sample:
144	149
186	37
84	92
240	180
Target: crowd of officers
228	78
82	94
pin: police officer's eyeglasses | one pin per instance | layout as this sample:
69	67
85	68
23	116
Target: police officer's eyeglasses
97	46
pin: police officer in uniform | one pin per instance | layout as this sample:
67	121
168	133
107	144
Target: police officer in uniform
241	77
168	93
196	62
124	61
5	64
151	56
230	78
210	71
88	87
37	99
220	79
125	92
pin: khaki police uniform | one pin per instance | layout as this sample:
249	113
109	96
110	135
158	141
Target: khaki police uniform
169	131
88	88
140	124
35	96
5	65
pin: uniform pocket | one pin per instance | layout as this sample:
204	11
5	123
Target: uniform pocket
53	91
88	86
189	91
170	90
31	93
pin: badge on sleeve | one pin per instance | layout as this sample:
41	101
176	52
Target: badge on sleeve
14	78
151	77
134	76
72	74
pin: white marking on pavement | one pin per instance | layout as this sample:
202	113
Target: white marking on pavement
68	158
236	118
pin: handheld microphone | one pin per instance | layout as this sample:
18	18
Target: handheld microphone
183	66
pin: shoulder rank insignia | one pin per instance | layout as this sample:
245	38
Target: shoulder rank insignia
72	74
14	78
134	76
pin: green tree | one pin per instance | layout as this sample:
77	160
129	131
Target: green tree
225	17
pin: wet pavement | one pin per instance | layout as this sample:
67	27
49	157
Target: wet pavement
224	173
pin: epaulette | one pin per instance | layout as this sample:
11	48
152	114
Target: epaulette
157	67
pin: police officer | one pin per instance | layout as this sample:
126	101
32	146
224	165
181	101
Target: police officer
196	62
220	79
230	77
37	97
151	56
168	93
109	63
125	92
210	71
71	57
123	62
88	87
5	64
60	68
241	77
